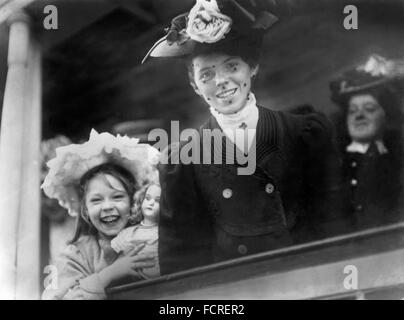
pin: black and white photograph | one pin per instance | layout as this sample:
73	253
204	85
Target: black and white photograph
201	150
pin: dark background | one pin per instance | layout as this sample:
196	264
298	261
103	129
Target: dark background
92	77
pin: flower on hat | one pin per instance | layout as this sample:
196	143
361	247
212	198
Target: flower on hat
206	23
209	21
73	161
377	66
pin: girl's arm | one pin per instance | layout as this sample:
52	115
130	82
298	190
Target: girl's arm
77	282
74	279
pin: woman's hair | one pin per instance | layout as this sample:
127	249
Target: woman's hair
139	198
248	48
388	98
83	223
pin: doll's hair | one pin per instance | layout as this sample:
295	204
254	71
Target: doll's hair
139	197
83	223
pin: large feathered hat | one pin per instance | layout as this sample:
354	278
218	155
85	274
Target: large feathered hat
74	160
376	73
215	21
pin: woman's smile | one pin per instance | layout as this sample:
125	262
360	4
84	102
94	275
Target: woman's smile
226	93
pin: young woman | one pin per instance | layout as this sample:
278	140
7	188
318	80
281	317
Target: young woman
370	140
211	212
96	182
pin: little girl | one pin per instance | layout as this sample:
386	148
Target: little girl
147	210
96	182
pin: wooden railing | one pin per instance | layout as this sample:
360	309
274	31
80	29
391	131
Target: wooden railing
312	270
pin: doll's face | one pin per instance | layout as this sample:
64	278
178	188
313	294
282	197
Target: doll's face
223	81
151	203
365	119
107	204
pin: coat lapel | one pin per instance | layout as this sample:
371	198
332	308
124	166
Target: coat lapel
265	141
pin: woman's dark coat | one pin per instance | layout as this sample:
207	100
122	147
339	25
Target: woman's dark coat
209	213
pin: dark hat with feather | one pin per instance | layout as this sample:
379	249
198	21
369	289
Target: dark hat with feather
377	73
213	23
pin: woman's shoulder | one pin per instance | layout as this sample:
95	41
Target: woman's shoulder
302	123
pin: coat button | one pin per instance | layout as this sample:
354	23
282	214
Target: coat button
354	182
269	188
353	164
242	249
227	193
359	207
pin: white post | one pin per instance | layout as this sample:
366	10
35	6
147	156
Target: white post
19	167
29	223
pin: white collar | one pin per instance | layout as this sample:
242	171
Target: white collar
248	115
362	148
240	127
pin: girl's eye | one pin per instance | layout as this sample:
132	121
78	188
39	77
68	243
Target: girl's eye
95	200
119	196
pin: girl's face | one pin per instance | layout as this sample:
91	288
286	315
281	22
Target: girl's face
223	81
151	203
107	204
366	118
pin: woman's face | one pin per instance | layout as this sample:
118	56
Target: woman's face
107	204
151	203
223	81
366	118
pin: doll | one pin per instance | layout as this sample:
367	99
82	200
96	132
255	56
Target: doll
147	210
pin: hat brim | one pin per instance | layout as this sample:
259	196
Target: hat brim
163	49
348	91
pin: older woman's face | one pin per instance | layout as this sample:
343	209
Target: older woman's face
223	81
366	118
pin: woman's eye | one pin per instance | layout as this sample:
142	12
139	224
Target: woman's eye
232	66
206	76
371	108
119	196
95	200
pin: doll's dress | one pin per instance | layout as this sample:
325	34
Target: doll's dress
130	237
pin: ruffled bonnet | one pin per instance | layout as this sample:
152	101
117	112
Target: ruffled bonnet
74	160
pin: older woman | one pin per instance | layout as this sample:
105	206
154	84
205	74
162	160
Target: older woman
370	140
212	212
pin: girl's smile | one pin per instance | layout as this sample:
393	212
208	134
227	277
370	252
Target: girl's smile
107	204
